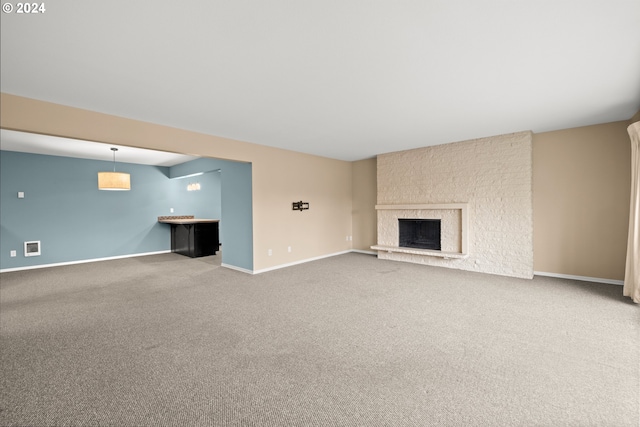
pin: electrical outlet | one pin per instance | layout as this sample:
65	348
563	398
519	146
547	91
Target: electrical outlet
14	253
289	249
270	252
171	210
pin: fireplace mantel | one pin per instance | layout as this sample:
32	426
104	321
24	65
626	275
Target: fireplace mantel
464	216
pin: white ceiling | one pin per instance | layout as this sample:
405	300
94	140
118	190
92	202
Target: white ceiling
346	79
56	146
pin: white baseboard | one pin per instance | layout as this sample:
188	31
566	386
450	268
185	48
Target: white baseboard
360	251
277	267
84	261
229	266
233	267
582	278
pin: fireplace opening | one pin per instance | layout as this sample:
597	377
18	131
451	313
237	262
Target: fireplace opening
420	233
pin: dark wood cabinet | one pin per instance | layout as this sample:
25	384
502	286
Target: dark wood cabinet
193	237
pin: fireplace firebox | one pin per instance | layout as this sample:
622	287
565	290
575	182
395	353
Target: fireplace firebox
419	233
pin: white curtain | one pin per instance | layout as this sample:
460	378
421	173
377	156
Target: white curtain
632	271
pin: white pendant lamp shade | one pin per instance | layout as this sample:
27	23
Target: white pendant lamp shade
114	181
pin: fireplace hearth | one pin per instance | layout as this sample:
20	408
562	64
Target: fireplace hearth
420	233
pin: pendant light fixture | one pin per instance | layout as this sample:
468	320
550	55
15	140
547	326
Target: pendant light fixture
114	181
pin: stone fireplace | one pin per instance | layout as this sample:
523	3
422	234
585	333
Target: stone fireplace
479	191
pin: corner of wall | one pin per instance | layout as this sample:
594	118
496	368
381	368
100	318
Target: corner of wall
364	198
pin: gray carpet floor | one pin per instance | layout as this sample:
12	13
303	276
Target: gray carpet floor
350	340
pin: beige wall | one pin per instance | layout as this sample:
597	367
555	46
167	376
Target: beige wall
364	204
279	177
581	187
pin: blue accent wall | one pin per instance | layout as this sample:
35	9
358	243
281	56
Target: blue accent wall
75	221
236	221
204	203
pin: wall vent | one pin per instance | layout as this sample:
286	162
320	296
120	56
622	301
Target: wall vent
32	248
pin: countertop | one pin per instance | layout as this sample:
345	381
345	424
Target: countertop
184	219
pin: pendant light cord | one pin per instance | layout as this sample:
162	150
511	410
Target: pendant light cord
114	158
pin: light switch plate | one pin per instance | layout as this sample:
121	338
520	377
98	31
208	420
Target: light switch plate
20	194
